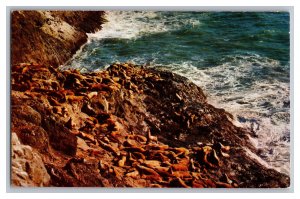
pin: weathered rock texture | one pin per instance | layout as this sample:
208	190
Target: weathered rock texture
130	127
123	127
27	167
50	37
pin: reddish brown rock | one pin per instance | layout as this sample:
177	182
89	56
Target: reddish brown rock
126	126
139	139
50	37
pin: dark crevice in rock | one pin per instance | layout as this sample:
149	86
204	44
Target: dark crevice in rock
127	126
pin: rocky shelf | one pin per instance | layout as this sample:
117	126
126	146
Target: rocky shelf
126	126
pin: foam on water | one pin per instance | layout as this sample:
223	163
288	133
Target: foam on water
255	89
129	25
259	104
133	24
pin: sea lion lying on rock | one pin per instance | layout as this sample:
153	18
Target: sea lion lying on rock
120	123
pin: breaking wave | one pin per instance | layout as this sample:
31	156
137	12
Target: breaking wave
131	24
248	88
247	81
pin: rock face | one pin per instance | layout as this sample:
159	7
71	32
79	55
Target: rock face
27	167
131	127
126	126
50	37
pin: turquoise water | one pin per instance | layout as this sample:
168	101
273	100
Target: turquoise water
206	39
240	59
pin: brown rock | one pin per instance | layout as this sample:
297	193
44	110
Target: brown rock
43	30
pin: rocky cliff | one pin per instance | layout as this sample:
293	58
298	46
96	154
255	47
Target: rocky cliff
50	37
126	126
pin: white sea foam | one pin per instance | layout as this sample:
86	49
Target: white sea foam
133	24
80	54
257	104
130	25
257	158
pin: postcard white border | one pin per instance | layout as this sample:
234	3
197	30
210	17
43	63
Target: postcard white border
209	5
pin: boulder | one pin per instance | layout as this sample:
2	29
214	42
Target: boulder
27	168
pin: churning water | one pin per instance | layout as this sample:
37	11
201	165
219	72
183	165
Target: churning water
240	59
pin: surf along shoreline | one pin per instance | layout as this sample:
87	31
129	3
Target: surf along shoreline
127	126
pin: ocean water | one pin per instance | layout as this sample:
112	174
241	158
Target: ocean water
240	59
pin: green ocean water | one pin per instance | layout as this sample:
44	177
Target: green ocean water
240	59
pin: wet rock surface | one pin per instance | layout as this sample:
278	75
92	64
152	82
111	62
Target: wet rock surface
130	126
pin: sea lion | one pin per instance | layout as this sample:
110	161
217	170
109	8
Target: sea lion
122	161
86	108
226	179
207	151
118	171
219	146
133	174
53	102
128	143
74	98
99	87
109	148
106	140
151	163
152	177
163	158
138	138
116	79
147	170
148	173
139	156
182	150
226	155
92	94
115	135
25	69
182	165
157	147
85	136
131	159
155	186
104	103
181	174
107	80
214	158
163	171
151	138
192	164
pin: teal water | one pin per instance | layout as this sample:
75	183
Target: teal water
240	59
206	39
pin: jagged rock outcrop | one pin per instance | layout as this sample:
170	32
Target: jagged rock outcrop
27	167
50	37
126	126
131	127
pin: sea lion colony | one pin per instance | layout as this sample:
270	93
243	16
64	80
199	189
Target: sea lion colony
126	127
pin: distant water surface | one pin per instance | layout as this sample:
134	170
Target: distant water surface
240	59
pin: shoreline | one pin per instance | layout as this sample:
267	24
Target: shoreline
102	129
